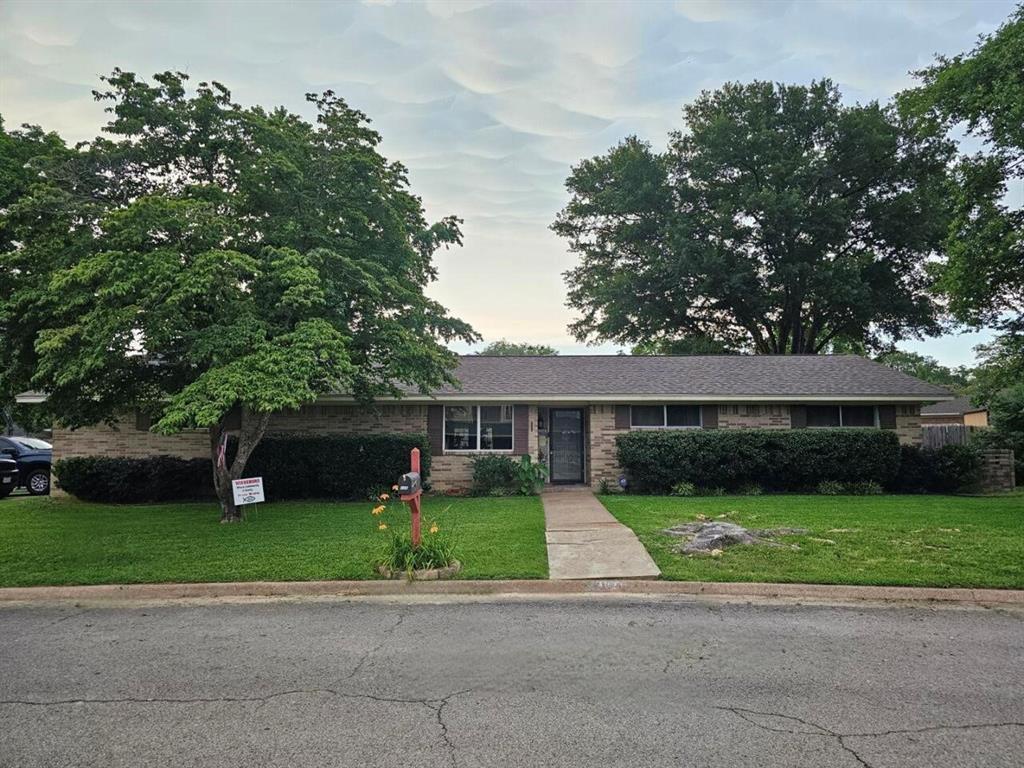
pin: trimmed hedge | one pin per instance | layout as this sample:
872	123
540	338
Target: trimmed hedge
124	481
949	469
494	475
292	467
334	466
777	460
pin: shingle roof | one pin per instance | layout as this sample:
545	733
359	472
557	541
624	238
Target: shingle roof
759	376
957	407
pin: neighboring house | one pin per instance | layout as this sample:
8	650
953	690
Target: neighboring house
567	410
958	411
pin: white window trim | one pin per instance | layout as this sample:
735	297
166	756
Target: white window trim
841	406
664	418
471	451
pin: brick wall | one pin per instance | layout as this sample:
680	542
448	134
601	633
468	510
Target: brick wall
997	472
908	423
125	439
742	416
601	446
350	420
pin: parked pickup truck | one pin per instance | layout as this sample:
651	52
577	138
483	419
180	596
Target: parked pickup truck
8	476
33	457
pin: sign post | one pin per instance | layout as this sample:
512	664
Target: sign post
411	494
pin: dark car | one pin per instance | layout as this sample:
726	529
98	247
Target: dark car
8	475
33	460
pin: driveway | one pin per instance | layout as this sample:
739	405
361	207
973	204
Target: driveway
604	682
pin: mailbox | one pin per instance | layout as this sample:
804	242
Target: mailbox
410	483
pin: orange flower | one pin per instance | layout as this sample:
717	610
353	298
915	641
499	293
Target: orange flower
434	528
383	497
382	527
378	509
394	487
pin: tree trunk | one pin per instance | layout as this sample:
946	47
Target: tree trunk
251	432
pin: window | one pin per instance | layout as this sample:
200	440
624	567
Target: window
472	428
858	415
823	416
661	416
841	416
496	427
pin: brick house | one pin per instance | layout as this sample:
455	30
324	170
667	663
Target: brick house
566	411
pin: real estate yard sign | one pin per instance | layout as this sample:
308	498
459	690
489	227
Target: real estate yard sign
248	490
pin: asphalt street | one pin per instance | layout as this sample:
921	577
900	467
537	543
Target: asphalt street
607	682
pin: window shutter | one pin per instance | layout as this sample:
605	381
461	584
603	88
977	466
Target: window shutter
887	416
622	417
798	416
709	416
520	429
435	429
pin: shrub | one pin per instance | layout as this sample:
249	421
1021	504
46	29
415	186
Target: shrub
949	469
494	473
124	480
831	488
864	488
777	460
292	467
751	489
684	489
530	475
334	466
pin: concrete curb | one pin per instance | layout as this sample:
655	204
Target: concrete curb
510	589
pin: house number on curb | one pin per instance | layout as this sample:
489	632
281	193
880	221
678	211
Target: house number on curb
248	490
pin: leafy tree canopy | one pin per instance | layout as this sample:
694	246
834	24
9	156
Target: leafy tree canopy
203	258
779	221
516	348
983	278
687	345
926	368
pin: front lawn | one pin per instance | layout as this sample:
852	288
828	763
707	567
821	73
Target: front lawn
937	541
64	541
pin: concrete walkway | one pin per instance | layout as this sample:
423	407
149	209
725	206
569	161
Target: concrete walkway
586	542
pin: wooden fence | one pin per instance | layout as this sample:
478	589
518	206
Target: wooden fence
937	435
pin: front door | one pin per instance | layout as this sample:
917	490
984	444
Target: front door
566	445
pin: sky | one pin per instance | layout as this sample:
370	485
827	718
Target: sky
488	104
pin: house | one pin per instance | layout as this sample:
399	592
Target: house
958	411
566	411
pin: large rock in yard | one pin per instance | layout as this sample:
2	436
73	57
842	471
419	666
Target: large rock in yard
703	538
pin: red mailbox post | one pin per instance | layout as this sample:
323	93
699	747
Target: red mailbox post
411	494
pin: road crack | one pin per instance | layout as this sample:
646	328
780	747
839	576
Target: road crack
385	636
808	728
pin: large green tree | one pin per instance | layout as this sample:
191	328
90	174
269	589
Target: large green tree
983	278
779	221
212	264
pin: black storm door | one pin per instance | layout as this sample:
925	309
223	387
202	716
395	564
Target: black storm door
566	445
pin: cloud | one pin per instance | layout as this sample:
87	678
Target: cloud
487	103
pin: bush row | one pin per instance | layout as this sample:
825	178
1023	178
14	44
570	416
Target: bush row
791	460
292	467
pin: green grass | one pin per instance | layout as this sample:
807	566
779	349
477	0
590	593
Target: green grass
63	541
938	541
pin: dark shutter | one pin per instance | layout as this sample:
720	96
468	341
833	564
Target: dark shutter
709	416
520	429
435	429
622	417
887	416
143	421
798	416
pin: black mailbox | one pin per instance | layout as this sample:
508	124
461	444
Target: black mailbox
410	483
